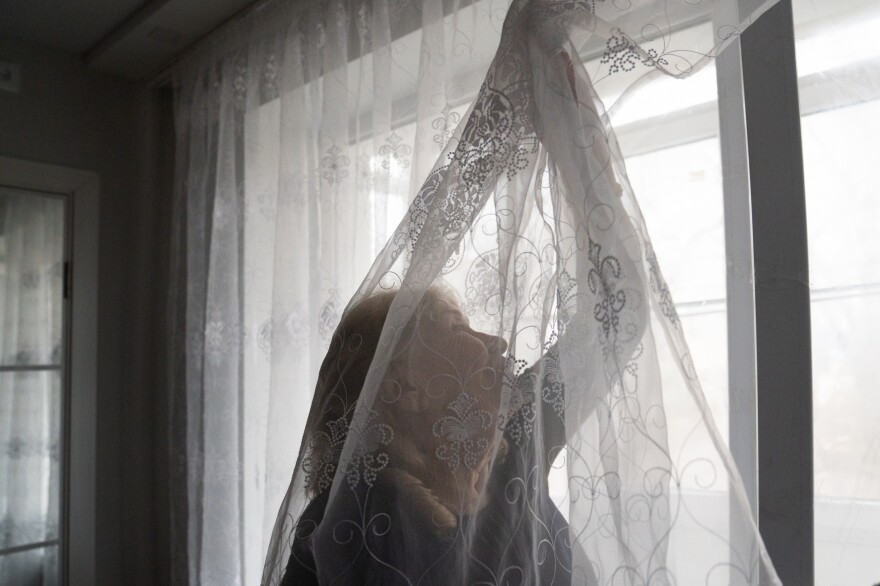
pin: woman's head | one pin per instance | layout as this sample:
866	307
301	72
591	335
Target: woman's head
440	394
440	356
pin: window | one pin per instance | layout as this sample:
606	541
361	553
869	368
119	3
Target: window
32	379
838	62
684	206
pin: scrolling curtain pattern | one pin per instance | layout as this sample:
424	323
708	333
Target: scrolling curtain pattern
298	133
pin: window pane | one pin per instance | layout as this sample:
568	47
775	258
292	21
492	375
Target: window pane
31	279
34	567
839	83
681	195
675	169
30	406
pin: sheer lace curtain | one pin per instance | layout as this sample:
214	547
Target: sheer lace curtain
304	131
298	130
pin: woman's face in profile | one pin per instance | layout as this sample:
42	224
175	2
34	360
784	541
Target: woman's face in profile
455	375
449	357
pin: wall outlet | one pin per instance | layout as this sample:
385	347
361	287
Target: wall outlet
10	77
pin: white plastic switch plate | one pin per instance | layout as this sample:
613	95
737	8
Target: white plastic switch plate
10	77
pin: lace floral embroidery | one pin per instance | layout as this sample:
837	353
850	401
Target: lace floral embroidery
566	298
461	431
418	213
520	424
552	387
334	165
329	315
445	125
659	287
395	149
602	280
622	54
368	461
325	450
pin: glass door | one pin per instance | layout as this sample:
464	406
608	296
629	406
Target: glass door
33	376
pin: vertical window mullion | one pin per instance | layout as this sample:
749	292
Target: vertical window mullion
742	376
781	290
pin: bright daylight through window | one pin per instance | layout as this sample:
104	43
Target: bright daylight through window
674	164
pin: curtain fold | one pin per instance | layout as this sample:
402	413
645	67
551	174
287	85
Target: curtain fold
298	131
303	137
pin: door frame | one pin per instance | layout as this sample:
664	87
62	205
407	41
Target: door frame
77	531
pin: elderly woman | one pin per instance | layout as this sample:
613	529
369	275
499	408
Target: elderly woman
459	485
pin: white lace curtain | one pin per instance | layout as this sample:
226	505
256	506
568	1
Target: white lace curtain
298	130
303	132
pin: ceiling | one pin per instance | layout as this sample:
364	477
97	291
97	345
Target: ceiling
133	38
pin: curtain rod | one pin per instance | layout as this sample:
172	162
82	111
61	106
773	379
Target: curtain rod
162	76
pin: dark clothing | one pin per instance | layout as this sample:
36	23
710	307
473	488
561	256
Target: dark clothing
374	535
387	542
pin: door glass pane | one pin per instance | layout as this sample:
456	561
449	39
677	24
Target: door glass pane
31	277
838	61
33	567
32	232
30	406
